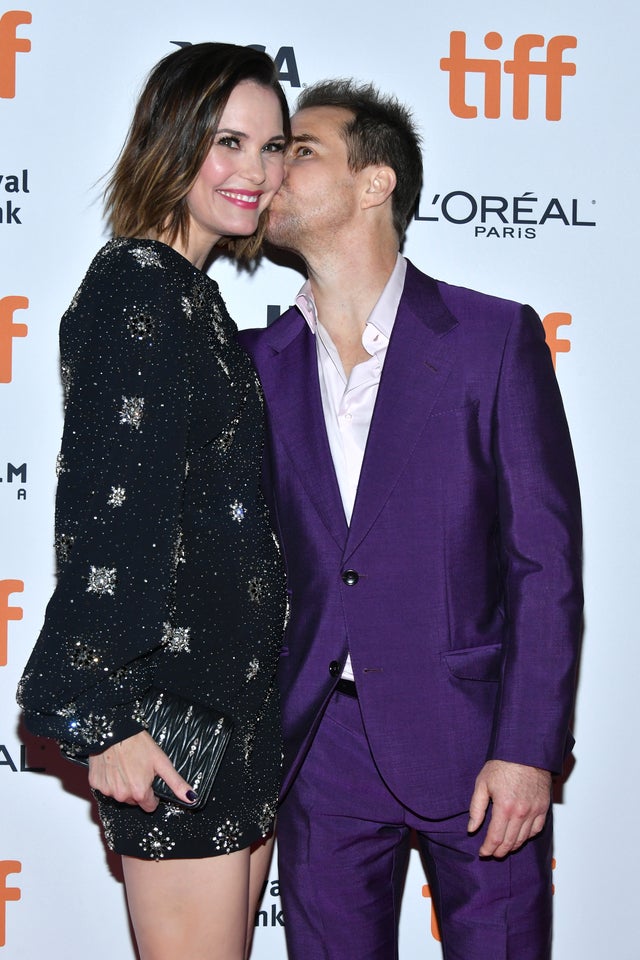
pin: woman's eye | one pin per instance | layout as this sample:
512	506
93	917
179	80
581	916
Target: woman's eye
232	142
276	147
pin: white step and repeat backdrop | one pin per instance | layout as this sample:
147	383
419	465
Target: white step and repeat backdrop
530	121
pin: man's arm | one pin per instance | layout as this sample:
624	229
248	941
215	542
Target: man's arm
540	533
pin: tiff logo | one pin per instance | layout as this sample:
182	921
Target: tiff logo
553	68
9	330
7	894
7	613
435	929
556	344
10	45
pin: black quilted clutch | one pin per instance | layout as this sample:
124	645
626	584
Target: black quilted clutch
192	736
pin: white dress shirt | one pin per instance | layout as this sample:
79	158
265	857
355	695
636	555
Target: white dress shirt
348	403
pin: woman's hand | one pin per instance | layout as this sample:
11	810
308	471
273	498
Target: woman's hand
126	770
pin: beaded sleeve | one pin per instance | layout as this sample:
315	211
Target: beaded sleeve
124	343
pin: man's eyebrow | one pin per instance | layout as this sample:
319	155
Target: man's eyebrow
304	138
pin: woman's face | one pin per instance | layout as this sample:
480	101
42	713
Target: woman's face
242	171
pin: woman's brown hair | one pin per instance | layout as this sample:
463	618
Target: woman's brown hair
170	135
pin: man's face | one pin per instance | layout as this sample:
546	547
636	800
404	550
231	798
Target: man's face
318	199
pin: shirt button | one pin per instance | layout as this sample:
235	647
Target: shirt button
347	417
350	577
334	668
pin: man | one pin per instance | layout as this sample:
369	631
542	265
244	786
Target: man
424	489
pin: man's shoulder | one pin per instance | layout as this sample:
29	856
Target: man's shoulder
458	298
471	310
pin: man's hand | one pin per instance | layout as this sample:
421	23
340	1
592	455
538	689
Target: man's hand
520	796
126	770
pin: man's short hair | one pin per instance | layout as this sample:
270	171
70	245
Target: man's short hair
382	131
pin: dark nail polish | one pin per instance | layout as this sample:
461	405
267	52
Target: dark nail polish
192	796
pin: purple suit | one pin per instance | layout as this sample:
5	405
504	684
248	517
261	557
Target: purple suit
456	588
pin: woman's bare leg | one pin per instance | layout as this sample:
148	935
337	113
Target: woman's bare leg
191	909
258	868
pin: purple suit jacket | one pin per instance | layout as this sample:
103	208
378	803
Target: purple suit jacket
464	623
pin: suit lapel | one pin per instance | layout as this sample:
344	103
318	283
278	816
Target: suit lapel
417	365
292	392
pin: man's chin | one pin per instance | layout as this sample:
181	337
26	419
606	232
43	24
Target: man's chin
277	233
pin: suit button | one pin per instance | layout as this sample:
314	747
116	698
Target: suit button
350	577
334	668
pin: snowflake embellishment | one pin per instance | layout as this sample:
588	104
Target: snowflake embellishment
276	542
237	511
224	367
227	837
141	326
131	411
75	298
253	669
146	257
83	656
179	555
217	330
102	580
186	307
60	465
117	496
119	676
114	244
67	711
176	639
227	436
172	810
267	817
216	312
248	741
107	828
258	388
156	844
139	716
256	590
92	729
66	377
198	296
63	543
26	677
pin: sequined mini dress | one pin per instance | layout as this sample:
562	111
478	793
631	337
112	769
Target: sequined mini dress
168	573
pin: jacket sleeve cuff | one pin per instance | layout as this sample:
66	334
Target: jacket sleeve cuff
95	731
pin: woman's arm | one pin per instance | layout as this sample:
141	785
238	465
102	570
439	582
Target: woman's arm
123	343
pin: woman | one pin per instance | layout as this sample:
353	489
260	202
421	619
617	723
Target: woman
168	574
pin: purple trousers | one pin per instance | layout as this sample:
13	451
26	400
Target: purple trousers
344	841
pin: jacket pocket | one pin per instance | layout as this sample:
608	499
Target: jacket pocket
476	663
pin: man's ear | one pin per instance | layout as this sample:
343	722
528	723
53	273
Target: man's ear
380	182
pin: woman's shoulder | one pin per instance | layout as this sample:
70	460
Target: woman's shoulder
140	288
140	257
140	273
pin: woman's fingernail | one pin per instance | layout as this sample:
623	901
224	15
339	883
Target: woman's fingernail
191	796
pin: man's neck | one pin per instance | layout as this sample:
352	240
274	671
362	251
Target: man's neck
345	291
